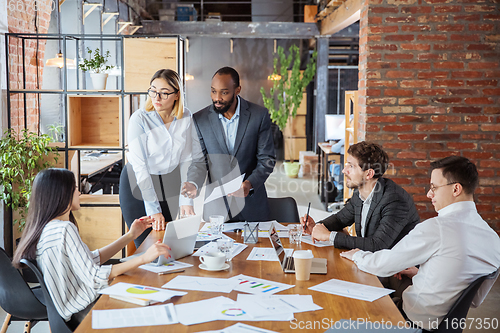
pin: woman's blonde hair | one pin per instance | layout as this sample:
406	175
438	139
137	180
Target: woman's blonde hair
173	79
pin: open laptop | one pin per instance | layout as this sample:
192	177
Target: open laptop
287	263
180	236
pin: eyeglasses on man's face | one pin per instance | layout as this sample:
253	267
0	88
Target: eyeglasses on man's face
433	188
163	95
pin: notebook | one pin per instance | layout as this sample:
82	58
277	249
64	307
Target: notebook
287	263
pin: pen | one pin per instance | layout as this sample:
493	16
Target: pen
177	271
307	216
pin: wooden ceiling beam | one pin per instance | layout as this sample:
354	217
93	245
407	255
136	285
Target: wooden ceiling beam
345	15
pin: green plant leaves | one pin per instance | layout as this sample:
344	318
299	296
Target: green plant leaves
96	63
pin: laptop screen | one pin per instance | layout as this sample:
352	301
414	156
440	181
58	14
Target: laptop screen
276	243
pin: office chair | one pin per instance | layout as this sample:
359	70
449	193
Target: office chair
461	307
284	210
19	301
56	322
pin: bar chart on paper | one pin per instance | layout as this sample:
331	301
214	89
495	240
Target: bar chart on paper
251	285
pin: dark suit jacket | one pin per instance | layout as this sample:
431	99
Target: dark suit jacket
253	155
391	216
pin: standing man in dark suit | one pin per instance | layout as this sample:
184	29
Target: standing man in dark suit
382	211
235	137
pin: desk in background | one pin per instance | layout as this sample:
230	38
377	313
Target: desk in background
92	165
324	158
334	307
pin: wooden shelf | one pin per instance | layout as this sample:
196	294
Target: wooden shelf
102	199
94	121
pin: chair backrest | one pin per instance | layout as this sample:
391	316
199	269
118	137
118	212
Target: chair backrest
284	210
461	307
16	297
56	322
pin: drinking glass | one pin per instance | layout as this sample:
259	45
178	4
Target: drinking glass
225	245
216	224
294	233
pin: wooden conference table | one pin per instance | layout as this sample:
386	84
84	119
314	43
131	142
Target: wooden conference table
334	307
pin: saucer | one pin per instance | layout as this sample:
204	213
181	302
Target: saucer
204	267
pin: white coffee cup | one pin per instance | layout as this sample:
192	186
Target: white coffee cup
303	262
213	260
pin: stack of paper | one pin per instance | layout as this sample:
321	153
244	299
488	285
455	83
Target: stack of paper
171	266
127	290
352	290
266	254
307	239
212	247
150	316
201	284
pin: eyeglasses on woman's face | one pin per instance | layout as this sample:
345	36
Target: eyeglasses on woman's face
163	95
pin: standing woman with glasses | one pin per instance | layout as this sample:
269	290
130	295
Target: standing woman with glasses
160	139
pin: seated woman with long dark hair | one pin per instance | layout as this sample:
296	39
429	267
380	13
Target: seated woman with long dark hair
73	274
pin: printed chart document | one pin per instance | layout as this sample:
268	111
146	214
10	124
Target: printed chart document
201	284
307	239
294	303
212	247
352	290
241	328
171	266
229	187
150	316
252	285
139	291
266	254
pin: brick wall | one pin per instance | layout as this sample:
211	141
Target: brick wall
27	17
429	88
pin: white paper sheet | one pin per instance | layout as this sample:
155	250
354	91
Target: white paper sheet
139	291
266	254
295	303
352	290
307	239
212	247
171	266
225	189
252	285
201	284
241	328
206	235
149	316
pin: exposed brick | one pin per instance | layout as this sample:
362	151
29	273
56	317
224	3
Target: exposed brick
431	92
433	75
382	119
479	100
481	26
492	17
412	155
413	101
449	65
401	180
490	164
450	27
399	38
372	128
463	91
384	29
445	119
482	47
416	47
373	109
416	10
463	127
477	119
430	127
412	137
461	145
444	136
398	92
482	83
382	83
465	38
401	163
399	19
477	136
442	154
479	8
432	38
397	145
495	92
430	109
413	119
449	47
415	84
491	146
492	38
490	128
397	109
399	74
415	28
383	47
381	101
383	10
398	56
415	65
398	128
491	110
431	56
467	17
447	100
466	109
478	155
432	18
447	9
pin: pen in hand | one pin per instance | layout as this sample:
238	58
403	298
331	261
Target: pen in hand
169	272
307	217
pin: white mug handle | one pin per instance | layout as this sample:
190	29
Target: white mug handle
201	259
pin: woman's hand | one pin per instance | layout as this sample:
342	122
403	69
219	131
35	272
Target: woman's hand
139	225
410	272
159	221
310	224
156	250
186	210
349	254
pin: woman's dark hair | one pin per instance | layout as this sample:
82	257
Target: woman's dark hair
458	169
51	196
370	156
229	71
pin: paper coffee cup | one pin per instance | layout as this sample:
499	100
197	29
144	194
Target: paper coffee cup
213	260
303	262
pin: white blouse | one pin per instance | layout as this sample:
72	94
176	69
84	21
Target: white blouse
156	150
72	272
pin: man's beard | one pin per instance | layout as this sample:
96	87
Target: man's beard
225	107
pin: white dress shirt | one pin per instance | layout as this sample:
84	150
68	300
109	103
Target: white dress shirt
72	273
453	249
230	126
156	150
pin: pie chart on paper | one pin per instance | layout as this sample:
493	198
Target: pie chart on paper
139	290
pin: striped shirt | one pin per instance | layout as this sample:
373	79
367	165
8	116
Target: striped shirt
72	272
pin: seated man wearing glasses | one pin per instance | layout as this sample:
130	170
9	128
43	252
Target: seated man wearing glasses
453	249
382	211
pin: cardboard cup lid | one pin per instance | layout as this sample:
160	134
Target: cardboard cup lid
303	254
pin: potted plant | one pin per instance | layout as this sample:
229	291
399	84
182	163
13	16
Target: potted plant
56	132
21	157
97	67
287	92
